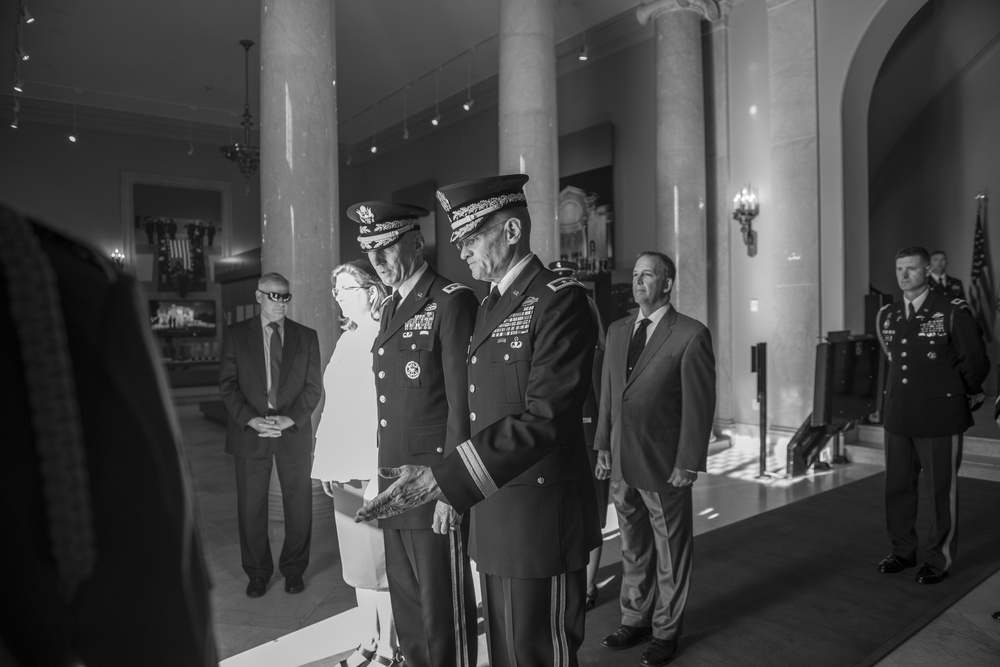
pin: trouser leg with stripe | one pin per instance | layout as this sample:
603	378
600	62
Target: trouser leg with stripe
534	622
939	458
433	599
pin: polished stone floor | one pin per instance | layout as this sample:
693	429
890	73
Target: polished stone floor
317	627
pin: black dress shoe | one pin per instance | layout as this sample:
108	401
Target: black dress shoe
256	587
892	564
931	574
293	583
659	652
626	636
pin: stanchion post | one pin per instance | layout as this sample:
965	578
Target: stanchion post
758	365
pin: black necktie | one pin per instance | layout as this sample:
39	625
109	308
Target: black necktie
275	354
393	304
636	346
492	299
910	312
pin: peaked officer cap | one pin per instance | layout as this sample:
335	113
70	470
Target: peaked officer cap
469	203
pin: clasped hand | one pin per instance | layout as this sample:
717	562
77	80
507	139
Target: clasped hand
414	487
270	427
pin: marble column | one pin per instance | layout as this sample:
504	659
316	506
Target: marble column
298	169
680	145
719	226
791	246
529	134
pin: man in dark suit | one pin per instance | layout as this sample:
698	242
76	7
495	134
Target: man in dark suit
270	382
524	471
937	365
655	423
940	282
100	533
423	411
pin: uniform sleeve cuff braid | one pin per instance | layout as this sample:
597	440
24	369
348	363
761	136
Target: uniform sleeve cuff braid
478	472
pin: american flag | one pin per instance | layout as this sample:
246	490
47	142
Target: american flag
181	249
981	298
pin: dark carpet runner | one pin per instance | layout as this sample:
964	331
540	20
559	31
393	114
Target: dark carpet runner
798	585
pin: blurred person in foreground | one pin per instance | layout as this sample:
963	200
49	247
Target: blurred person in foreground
346	457
100	534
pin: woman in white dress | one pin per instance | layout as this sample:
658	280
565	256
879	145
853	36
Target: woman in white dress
347	457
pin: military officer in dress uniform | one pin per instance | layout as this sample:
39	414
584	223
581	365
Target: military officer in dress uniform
941	282
937	365
524	472
423	410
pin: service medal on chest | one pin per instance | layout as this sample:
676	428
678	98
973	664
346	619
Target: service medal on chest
412	370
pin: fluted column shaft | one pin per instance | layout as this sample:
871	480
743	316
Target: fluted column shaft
529	133
298	174
680	146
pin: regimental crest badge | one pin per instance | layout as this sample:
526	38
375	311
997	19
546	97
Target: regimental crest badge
412	370
932	355
366	214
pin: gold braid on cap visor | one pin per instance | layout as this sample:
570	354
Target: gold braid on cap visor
469	214
378	241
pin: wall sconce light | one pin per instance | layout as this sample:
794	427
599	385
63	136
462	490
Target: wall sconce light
745	209
119	259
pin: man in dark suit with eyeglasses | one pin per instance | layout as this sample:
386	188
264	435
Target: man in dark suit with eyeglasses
270	382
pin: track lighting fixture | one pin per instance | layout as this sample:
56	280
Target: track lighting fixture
14	123
21	53
18	83
72	136
26	15
468	84
582	55
374	147
436	120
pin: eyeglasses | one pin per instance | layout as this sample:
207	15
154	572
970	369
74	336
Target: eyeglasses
283	297
480	234
347	288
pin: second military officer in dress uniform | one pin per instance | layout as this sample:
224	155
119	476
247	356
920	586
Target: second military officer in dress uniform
937	364
423	411
524	471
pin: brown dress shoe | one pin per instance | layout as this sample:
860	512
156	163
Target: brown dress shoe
659	652
626	636
892	564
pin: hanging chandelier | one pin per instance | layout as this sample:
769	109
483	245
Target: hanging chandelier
245	155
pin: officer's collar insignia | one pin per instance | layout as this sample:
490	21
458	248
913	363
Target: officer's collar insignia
420	295
516	293
366	214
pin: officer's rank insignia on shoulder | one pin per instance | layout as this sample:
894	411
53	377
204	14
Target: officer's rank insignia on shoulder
454	287
561	283
961	303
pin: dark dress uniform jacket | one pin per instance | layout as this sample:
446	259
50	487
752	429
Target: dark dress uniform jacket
146	600
525	467
952	288
420	378
243	387
935	362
